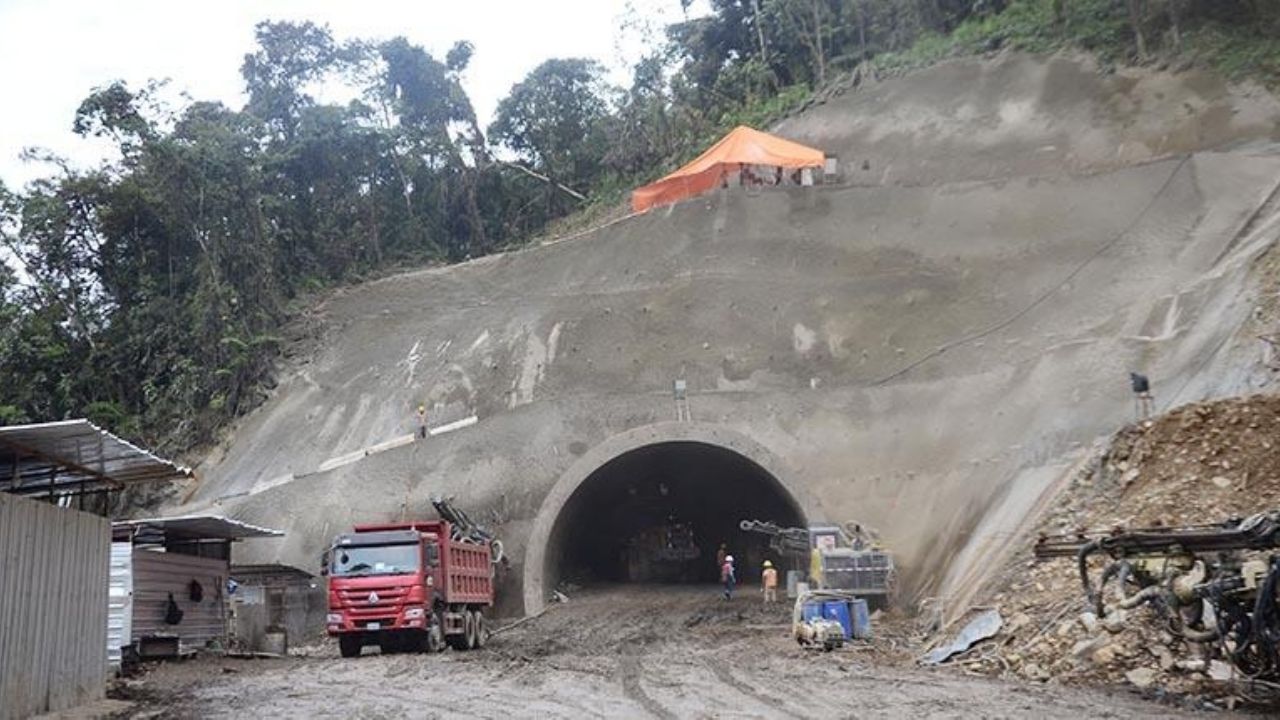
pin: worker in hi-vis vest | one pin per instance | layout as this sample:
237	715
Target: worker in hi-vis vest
769	583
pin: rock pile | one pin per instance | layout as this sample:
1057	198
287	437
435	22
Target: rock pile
1201	463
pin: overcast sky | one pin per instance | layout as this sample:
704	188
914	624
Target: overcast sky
53	52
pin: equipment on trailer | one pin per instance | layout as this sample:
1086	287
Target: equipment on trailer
838	558
678	544
412	586
1183	571
663	553
827	618
463	528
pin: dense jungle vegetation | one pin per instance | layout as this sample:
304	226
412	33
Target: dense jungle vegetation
149	294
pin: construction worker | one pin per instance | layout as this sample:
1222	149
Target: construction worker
815	568
1142	400
769	583
727	577
422	422
720	555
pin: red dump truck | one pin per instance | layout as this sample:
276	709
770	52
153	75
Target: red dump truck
408	587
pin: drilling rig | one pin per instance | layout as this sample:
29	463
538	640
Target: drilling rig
1213	584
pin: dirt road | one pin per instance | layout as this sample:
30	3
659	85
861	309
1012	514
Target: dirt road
646	652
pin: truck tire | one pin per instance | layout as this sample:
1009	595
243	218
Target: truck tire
471	630
481	630
349	645
458	641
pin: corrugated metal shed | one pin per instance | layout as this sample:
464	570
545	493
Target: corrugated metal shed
73	457
53	607
270	570
158	575
193	527
120	612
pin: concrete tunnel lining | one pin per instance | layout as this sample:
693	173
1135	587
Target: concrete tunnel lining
538	563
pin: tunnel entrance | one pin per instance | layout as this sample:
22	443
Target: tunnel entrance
658	514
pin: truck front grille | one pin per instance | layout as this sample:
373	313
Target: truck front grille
383	599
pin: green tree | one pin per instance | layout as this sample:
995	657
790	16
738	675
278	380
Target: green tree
552	120
290	57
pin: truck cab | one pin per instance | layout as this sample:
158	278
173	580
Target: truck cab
407	587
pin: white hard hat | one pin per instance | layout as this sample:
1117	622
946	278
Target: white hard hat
728	558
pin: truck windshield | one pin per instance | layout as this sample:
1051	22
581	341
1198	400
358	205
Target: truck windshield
375	560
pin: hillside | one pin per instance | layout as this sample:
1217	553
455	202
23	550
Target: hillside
930	347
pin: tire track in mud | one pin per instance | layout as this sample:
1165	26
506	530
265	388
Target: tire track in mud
629	672
723	673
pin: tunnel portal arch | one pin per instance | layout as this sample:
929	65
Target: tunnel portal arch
538	575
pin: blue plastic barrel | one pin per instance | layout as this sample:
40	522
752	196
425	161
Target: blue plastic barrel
810	611
838	610
861	618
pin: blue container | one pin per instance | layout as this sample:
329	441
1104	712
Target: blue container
810	611
838	610
861	619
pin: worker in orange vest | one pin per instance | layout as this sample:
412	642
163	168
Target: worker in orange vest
769	583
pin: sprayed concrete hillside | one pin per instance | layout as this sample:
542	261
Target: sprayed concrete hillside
929	348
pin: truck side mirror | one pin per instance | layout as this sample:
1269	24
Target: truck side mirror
324	563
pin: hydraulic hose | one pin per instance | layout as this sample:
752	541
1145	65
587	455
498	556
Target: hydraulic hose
1082	563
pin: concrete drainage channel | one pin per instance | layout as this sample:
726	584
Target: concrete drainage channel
349	458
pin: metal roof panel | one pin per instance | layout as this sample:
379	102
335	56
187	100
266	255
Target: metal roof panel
202	527
74	456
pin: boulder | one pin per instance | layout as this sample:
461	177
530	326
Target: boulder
1141	678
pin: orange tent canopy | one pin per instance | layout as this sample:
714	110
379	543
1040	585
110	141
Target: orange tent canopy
742	146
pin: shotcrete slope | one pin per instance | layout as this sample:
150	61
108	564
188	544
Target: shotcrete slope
929	350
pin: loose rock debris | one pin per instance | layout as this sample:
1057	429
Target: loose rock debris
1199	464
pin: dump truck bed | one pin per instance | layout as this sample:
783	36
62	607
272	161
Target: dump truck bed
465	571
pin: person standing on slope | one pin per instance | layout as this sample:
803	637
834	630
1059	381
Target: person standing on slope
727	577
1142	400
422	422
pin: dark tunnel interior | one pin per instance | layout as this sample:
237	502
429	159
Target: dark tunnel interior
657	514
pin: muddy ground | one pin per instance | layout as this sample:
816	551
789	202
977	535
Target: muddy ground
618	652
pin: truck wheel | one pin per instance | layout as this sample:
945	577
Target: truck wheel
349	645
481	630
435	635
458	641
471	630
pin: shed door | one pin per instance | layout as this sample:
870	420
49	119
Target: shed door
120	601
